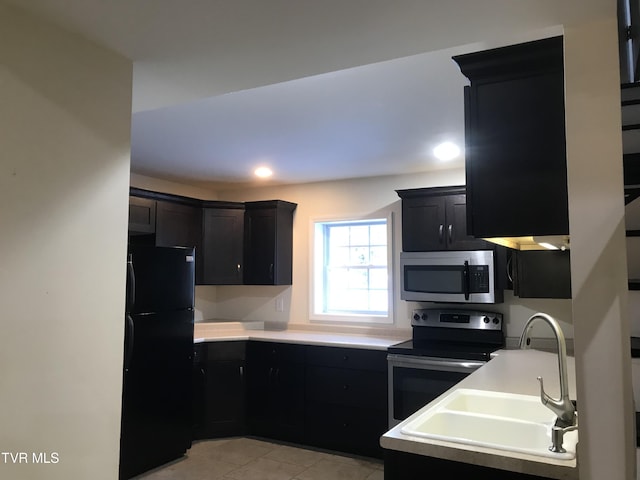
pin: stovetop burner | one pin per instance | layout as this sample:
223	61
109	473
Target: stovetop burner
453	334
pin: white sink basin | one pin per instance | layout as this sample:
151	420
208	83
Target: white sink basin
517	423
500	404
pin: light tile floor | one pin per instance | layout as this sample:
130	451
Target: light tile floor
244	458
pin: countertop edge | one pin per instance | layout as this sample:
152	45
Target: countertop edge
321	338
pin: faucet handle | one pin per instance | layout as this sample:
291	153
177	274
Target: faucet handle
547	401
544	398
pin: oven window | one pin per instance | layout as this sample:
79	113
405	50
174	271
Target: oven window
434	279
413	388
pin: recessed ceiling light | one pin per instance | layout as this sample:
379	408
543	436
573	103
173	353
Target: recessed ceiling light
263	172
446	151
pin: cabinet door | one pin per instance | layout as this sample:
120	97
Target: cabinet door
199	375
222	246
456	226
275	390
177	225
515	158
541	274
268	242
225	398
260	251
423	223
142	215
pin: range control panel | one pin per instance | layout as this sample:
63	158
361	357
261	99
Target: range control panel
466	319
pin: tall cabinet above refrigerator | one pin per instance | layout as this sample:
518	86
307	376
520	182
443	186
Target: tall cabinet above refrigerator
156	397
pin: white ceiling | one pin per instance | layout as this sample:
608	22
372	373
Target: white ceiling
317	90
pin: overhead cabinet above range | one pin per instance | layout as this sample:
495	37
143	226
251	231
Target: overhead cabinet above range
515	153
435	219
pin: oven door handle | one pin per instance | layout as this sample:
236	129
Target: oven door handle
428	363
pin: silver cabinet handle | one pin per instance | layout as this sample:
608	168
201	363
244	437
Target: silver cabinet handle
440	232
450	231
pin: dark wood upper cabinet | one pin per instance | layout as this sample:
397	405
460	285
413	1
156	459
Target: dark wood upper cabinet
515	153
142	216
178	225
223	230
233	247
435	219
268	242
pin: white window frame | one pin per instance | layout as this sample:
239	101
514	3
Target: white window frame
316	273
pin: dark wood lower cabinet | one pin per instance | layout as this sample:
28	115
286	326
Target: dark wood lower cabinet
219	389
402	465
275	392
326	397
346	399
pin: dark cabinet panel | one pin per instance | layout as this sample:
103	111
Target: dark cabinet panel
346	399
223	246
219	388
275	391
402	465
232	247
142	216
351	358
268	242
515	154
541	274
178	225
435	219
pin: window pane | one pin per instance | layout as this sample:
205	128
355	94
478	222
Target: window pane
358	278
360	235
378	301
378	279
338	236
379	234
378	256
339	256
359	256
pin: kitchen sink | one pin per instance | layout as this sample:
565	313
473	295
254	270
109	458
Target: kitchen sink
503	421
499	404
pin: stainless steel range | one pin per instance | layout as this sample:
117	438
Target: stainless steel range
447	345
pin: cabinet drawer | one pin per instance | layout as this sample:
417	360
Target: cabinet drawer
274	352
349	429
225	351
361	359
340	386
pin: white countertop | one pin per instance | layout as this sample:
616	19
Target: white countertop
512	371
372	338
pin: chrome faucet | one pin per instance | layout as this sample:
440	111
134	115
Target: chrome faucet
562	407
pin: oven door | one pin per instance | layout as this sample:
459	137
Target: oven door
415	381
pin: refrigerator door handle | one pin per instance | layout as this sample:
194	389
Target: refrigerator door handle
131	284
129	340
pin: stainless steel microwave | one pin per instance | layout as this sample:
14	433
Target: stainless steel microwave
449	276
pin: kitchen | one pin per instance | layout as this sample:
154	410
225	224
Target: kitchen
96	175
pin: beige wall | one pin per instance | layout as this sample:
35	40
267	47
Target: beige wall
65	109
340	198
598	258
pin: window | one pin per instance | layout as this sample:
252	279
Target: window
351	265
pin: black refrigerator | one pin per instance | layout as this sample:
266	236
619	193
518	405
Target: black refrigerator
156	394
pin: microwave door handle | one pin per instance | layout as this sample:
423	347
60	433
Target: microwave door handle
465	280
